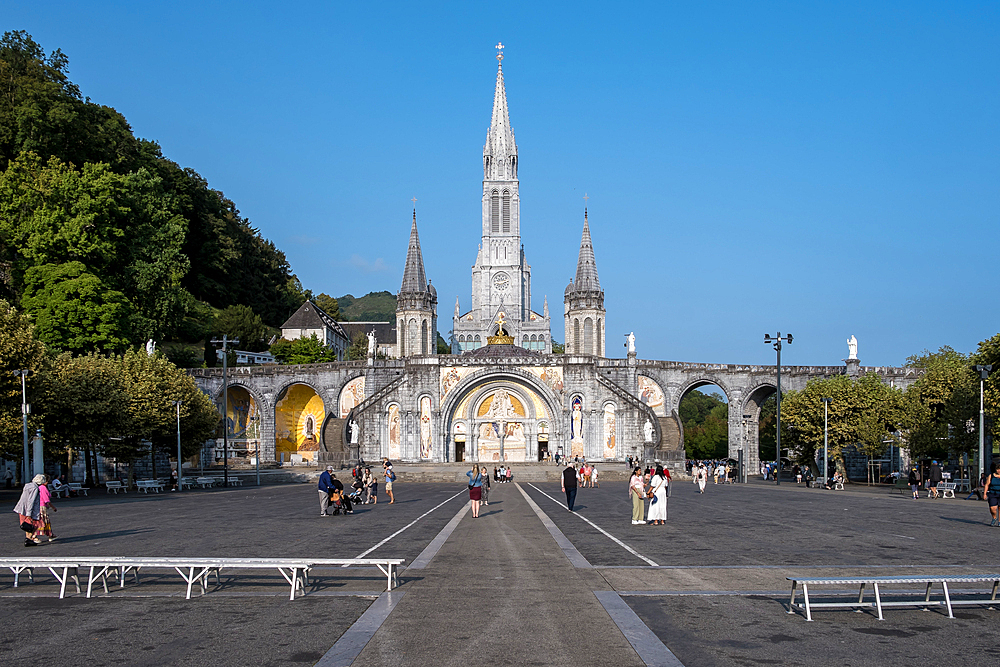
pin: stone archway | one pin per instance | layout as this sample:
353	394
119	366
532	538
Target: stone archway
245	420
299	416
685	390
750	423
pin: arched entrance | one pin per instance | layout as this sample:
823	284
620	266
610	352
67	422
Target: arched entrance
703	412
758	419
299	414
496	418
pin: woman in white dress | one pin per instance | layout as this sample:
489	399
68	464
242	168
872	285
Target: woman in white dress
658	503
702	478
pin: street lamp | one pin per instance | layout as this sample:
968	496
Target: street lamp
225	405
826	436
25	410
984	372
177	404
777	340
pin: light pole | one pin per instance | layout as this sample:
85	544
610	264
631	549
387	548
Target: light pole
25	410
180	487
826	436
777	340
225	405
984	372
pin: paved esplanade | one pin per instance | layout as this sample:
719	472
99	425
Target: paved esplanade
500	591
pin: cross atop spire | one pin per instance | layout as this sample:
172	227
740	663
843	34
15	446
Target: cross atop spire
499	48
500	151
586	266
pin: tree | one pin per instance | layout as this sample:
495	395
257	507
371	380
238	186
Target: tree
359	347
303	351
988	352
74	310
328	304
19	349
940	403
242	323
558	348
706	425
442	345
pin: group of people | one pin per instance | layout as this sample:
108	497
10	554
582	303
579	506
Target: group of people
503	475
720	471
33	511
654	485
364	488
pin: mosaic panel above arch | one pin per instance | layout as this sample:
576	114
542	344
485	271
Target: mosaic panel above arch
652	395
352	394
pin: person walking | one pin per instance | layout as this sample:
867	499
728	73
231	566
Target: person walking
8	479
325	486
45	509
658	498
569	476
371	483
29	510
934	478
913	480
390	477
992	487
701	479
637	492
593	478
510	474
476	488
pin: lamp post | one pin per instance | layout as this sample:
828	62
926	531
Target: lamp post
177	404
984	372
225	405
25	410
826	436
776	341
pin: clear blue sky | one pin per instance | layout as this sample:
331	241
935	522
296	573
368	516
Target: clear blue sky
824	169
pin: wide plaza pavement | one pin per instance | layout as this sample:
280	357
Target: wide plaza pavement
526	583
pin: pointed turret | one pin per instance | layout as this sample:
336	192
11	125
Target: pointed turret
457	311
416	303
586	265
584	301
414	278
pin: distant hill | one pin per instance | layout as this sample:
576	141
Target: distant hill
372	307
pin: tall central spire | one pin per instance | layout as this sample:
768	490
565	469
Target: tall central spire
586	265
500	151
414	278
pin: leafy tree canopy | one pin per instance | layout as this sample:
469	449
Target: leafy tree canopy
242	323
706	425
303	351
328	304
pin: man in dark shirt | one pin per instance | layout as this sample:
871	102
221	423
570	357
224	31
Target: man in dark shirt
569	486
325	486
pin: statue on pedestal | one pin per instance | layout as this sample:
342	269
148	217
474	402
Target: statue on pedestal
631	342
371	343
150	347
852	347
647	430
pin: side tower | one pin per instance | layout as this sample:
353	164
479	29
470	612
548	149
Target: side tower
584	303
416	304
501	276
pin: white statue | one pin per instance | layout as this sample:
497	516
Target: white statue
631	342
852	348
371	343
150	347
647	430
354	432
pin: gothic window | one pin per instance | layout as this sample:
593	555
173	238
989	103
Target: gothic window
412	333
495	212
541	343
423	337
588	336
401	335
506	211
477	345
600	338
525	343
576	337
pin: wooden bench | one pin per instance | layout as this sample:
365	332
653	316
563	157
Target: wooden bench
878	603
946	489
115	485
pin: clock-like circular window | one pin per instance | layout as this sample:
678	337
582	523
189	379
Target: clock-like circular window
501	282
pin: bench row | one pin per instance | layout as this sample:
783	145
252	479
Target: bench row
192	570
157	485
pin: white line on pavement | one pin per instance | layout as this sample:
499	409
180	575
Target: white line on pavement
352	642
365	553
606	533
421	561
574	556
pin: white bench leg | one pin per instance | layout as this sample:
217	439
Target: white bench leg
878	602
805	595
791	600
947	599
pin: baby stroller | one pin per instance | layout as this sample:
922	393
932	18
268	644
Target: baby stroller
355	496
340	503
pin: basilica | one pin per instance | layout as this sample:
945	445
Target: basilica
501	394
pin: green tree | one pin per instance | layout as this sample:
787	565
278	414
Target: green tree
303	351
706	425
558	348
74	310
19	349
988	352
358	348
242	323
940	403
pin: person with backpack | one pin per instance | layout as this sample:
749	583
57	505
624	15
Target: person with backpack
390	477
914	481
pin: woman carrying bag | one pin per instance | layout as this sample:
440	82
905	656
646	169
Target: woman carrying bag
29	510
658	498
475	488
637	492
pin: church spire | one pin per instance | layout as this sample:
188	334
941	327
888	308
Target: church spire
414	278
500	151
586	266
